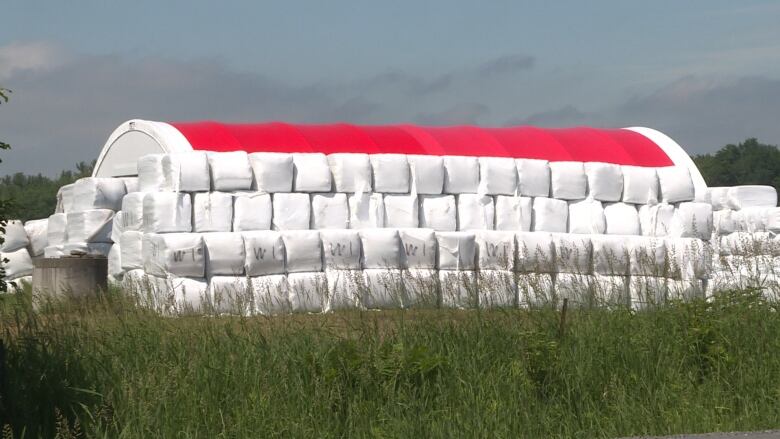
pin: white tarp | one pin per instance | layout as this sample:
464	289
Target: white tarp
719	197
329	211
514	213
458	289
37	232
457	250
251	211
391	173
345	288
740	197
264	252
131	246
622	219
475	212
605	181
351	172
150	173
384	289
271	295
535	252
497	176
611	254
495	250
133	211
167	212
419	248
230	171
57	229
568	180
381	248
212	212
366	211
273	171
461	175
15	236
307	291
640	185
438	212
427	174
303	250
647	255
341	249
692	220
92	225
533	177
186	171
573	253
587	216
497	289
676	184
689	258
550	215
311	173
65	199
723	221
656	220
230	295
180	254
224	253
401	211
18	263
291	211
98	193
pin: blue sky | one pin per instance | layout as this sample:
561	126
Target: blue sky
705	72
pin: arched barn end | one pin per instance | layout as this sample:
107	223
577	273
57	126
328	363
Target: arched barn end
636	146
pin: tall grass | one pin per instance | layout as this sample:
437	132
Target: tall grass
106	368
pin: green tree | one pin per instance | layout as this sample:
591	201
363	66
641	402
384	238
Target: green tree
749	162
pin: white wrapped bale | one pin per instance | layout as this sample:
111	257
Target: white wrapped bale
307	292
366	211
514	213
611	290
693	220
341	249
264	252
550	215
273	171
534	289
496	250
212	212
457	250
475	212
427	174
115	262
311	173
303	251
747	244
568	180
65	199
461	175
37	232
131	184
419	248
640	185
180	254
230	295
401	211
381	248
605	181
587	216
230	171
459	289
351	172
391	173
133	211
383	289
689	258
533	177
438	212
741	197
15	237
252	211
87	248
57	230
16	263
656	220
98	193
496	289
167	212
647	256
186	171
579	289
150	173
622	219
751	219
647	291
676	184
421	288
189	295
573	253
345	288
719	197
329	211
117	226
497	176
723	221
611	254
224	253
92	225
685	289
270	294
291	211
131	247
535	252
54	251
773	219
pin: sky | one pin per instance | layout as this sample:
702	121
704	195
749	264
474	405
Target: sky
707	72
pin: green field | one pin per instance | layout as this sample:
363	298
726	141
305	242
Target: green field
109	369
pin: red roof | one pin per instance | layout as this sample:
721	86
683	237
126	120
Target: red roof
620	146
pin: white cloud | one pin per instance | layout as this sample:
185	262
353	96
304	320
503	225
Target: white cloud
21	57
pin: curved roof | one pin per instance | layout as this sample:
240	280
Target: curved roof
625	146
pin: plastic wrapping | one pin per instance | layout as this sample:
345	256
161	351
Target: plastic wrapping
37	233
497	176
579	289
381	248
692	220
611	254
587	216
252	211
345	288
438	212
533	177
212	212
740	197
656	220
115	261
427	174
150	173
189	294
65	199
230	171
573	253
224	253
685	289
475	212
535	252
419	248
514	213
98	193
57	229
421	288
391	173
131	184
230	295
186	171
341	249
311	173
180	254
351	172
303	250
264	253
273	171
568	180
131	247
723	221
133	211
622	219
329	211
647	256
456	251
90	225
676	184
167	212
461	175
751	219
17	263
366	211
117	226
497	289
550	215
270	294
307	291
401	211
719	197
291	211
647	291
384	289
610	290
15	236
496	250
605	181
640	185
689	258
747	244
458	289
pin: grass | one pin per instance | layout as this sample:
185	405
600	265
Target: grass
107	368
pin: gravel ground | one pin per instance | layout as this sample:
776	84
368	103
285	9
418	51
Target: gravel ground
768	434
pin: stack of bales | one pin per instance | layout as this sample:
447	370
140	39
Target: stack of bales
21	243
